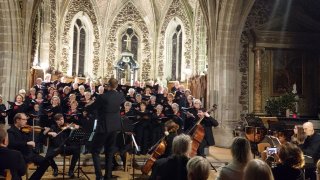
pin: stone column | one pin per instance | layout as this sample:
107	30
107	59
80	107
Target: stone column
257	104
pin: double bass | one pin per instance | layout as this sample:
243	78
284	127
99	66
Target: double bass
158	149
198	133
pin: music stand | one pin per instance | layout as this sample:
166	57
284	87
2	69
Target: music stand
136	150
80	138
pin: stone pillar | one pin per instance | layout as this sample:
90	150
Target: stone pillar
257	104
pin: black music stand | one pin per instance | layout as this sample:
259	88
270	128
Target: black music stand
136	149
80	138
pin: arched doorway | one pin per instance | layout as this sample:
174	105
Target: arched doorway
126	68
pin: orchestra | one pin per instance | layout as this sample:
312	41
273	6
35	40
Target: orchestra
148	109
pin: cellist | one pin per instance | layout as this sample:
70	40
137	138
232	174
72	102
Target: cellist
207	123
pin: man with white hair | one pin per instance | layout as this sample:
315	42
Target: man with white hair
311	147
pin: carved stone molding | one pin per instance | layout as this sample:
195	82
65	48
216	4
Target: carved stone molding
174	10
35	42
197	39
53	33
129	14
75	7
258	15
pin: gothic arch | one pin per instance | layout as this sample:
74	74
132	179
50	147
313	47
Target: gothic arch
175	10
128	13
75	7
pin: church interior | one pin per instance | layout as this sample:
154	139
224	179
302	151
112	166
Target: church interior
247	59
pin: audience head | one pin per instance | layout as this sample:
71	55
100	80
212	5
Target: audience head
291	156
181	145
308	129
3	136
257	169
198	168
241	150
20	120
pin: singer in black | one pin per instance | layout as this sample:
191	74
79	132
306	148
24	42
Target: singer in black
108	125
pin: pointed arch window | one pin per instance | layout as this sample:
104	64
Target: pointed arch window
79	48
176	54
130	42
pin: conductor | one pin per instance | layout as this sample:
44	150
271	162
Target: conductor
108	125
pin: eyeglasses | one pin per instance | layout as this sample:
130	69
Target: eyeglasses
24	119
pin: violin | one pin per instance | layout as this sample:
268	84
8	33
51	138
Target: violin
29	129
159	149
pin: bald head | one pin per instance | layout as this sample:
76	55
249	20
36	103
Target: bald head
308	128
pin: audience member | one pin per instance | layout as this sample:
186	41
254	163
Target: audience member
174	167
257	169
198	168
10	159
291	163
241	155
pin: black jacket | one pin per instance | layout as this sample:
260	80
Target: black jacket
311	146
108	108
18	141
173	167
13	160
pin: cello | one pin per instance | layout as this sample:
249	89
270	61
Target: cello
198	133
159	148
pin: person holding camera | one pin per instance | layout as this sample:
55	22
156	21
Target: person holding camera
290	163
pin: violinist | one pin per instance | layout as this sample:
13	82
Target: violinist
3	114
21	142
17	107
207	123
59	134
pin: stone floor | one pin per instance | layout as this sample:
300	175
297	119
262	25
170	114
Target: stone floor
217	157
